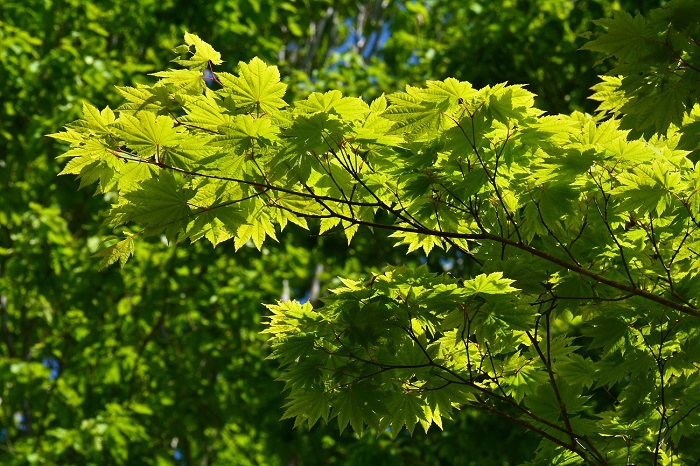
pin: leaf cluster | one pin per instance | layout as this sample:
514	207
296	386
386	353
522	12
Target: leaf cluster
580	321
655	79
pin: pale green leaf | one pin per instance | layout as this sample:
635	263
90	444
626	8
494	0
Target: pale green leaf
203	53
257	85
117	252
147	133
493	283
182	80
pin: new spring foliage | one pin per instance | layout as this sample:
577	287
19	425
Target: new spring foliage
578	319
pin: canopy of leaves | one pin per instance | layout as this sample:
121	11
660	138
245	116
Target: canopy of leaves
72	390
576	316
74	393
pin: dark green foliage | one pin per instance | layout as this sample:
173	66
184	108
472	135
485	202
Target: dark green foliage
163	359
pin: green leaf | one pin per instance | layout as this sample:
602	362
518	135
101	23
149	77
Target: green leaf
451	88
183	80
203	53
349	406
607	332
258	228
132	174
309	405
511	103
648	188
416	117
308	139
245	132
493	283
623	36
120	251
188	152
577	370
144	98
161	204
417	240
257	86
609	94
149	135
406	409
82	156
98	121
348	108
205	111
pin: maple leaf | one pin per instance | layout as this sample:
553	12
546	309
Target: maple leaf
257	85
147	133
203	53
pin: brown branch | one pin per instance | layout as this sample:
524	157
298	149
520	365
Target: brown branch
420	229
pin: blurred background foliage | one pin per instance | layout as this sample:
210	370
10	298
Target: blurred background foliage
162	362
